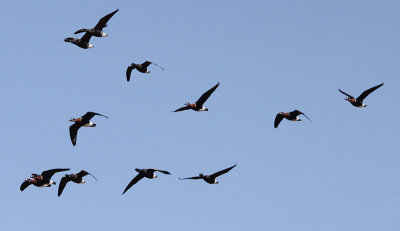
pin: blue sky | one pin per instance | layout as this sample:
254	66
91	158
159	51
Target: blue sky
338	173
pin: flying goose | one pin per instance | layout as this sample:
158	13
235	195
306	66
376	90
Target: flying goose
82	42
76	178
209	178
97	31
140	67
198	105
79	122
292	116
148	173
358	102
42	180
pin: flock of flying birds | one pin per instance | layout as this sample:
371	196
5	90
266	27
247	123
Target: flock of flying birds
44	179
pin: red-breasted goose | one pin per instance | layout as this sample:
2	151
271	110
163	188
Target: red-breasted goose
140	67
292	116
198	105
42	180
76	178
147	172
358	102
79	122
97	31
211	179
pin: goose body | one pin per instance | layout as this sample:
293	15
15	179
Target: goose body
292	116
83	121
199	104
97	31
358	102
76	178
42	180
144	173
211	179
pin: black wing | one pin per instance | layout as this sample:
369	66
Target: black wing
129	71
83	173
49	173
103	21
89	115
191	178
73	132
278	118
162	171
62	185
203	98
24	184
297	112
182	109
217	174
86	37
367	92
134	181
146	64
351	97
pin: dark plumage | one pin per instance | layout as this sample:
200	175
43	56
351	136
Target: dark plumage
43	180
292	116
98	29
211	179
82	42
140	67
198	106
76	178
358	102
148	173
79	122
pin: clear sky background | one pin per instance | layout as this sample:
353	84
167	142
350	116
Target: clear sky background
338	173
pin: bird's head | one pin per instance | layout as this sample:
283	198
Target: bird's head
90	45
83	181
187	103
216	182
206	109
201	175
137	170
147	71
34	175
94	125
72	120
155	176
347	98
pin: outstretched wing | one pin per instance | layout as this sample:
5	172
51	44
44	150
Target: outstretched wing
367	92
278	118
191	178
203	98
89	115
182	109
297	112
49	173
217	174
351	97
62	185
146	64
24	184
134	181
86	37
83	173
103	21
129	71
162	171
73	132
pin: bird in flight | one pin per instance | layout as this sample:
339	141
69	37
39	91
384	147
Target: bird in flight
79	122
147	172
211	179
42	180
76	178
358	102
292	116
140	67
97	31
198	105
